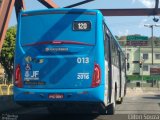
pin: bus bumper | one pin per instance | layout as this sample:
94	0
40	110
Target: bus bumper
66	95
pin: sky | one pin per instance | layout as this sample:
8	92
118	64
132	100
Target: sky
119	25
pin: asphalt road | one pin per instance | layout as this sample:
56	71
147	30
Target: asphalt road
141	103
135	102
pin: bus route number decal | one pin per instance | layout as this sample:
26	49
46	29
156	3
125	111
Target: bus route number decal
82	76
83	60
81	25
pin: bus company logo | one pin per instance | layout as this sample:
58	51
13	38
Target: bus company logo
56	49
28	59
31	75
41	61
27	74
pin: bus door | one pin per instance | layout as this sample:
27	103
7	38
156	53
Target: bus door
108	59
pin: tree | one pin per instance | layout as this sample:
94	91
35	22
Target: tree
117	37
7	53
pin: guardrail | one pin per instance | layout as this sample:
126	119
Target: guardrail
10	89
6	89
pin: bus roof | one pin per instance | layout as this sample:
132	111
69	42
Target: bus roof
62	11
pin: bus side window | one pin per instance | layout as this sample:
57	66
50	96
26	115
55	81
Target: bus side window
113	53
117	57
121	62
106	42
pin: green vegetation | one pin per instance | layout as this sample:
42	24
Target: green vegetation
7	53
145	77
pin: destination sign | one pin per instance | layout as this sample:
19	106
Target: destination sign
81	25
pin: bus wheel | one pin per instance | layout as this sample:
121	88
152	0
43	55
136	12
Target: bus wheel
120	100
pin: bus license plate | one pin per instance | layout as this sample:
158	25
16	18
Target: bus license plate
56	96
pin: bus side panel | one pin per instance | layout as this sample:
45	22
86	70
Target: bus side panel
123	76
99	58
123	84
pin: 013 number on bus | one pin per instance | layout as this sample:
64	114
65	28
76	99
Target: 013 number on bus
83	60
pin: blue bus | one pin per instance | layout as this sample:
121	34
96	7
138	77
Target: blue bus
68	57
